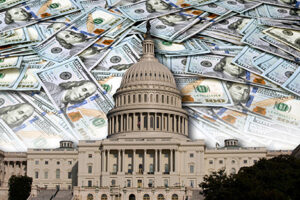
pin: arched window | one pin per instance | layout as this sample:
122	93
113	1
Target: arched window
162	98
133	98
124	99
174	197
146	197
90	197
145	98
160	197
157	98
103	197
132	197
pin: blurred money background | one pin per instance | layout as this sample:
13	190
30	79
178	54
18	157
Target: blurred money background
236	63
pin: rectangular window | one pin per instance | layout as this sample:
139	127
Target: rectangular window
191	169
36	175
191	155
90	155
128	183
70	162
211	162
90	183
90	169
192	183
46	162
57	173
36	162
245	161
46	175
69	175
220	161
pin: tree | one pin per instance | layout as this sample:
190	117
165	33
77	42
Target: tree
19	187
274	179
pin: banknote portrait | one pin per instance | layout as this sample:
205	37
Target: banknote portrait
239	92
15	115
157	6
70	39
227	68
71	92
16	14
173	19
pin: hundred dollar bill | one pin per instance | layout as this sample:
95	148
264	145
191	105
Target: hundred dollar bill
74	91
119	58
85	6
293	83
170	26
280	71
20	35
189	47
277	12
33	11
76	38
274	105
264	61
289	37
282	46
12	62
203	92
214	8
269	130
109	81
232	26
29	123
244	59
253	38
144	10
221	36
238	6
282	3
207	19
286	24
98	50
252	24
47	29
4	4
219	130
176	64
221	67
114	32
10	78
42	101
9	142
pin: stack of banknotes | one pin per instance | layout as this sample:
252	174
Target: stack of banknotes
236	63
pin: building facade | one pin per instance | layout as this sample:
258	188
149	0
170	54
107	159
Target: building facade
147	154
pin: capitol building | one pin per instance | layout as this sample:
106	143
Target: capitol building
147	154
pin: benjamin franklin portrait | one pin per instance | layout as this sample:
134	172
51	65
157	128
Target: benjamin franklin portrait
69	39
239	92
15	115
16	15
225	66
173	19
71	92
157	6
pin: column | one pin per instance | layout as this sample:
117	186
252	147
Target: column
133	162
123	160
128	122
121	121
113	124
119	160
176	159
148	121
160	161
134	122
171	160
102	160
108	161
144	167
161	121
169	123
155	162
155	121
141	121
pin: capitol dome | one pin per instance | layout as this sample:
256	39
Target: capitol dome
147	100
